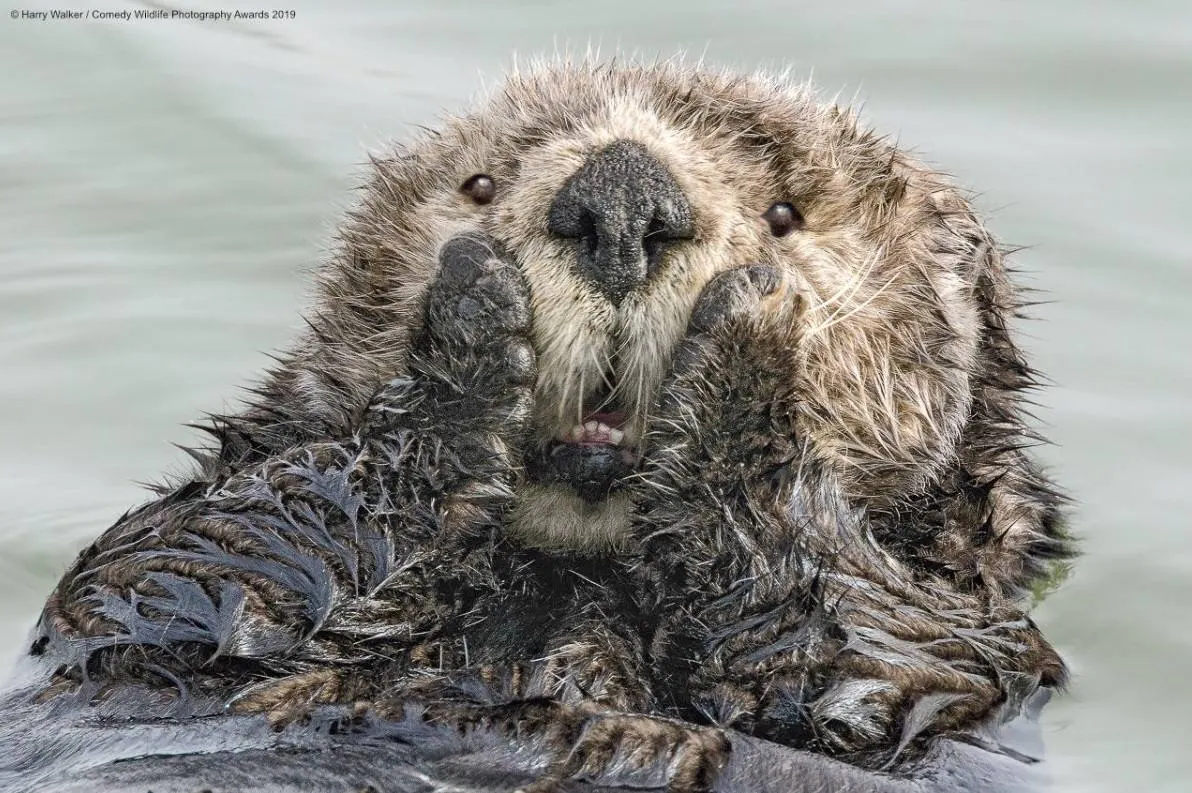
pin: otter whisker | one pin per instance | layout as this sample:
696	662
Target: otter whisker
835	320
848	289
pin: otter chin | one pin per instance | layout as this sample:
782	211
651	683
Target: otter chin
648	415
573	498
593	458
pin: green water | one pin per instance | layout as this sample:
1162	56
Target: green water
165	188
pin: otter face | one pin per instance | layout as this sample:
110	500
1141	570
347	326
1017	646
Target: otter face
621	192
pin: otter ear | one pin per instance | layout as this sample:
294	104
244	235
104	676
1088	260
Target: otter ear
992	521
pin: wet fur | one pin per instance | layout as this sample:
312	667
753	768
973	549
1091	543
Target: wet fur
831	538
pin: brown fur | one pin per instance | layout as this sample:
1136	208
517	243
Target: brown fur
860	372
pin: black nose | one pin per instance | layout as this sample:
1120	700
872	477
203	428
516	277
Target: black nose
624	208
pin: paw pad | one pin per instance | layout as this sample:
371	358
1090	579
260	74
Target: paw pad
734	294
478	293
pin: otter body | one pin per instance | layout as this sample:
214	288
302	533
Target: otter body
647	417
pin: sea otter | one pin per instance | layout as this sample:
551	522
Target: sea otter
644	414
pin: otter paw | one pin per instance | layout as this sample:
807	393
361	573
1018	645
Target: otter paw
728	406
478	297
733	295
634	750
475	342
472	366
744	326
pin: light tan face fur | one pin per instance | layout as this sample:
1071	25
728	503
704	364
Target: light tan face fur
887	262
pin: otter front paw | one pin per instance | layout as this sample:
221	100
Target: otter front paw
471	366
456	422
726	413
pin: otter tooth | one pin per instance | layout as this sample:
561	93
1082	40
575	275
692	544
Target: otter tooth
592	426
615	436
577	433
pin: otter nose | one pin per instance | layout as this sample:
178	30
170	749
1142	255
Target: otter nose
624	208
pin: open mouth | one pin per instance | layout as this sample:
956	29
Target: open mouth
594	456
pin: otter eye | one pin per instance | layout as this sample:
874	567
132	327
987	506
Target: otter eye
783	219
480	188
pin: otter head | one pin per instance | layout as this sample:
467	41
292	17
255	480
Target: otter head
621	192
